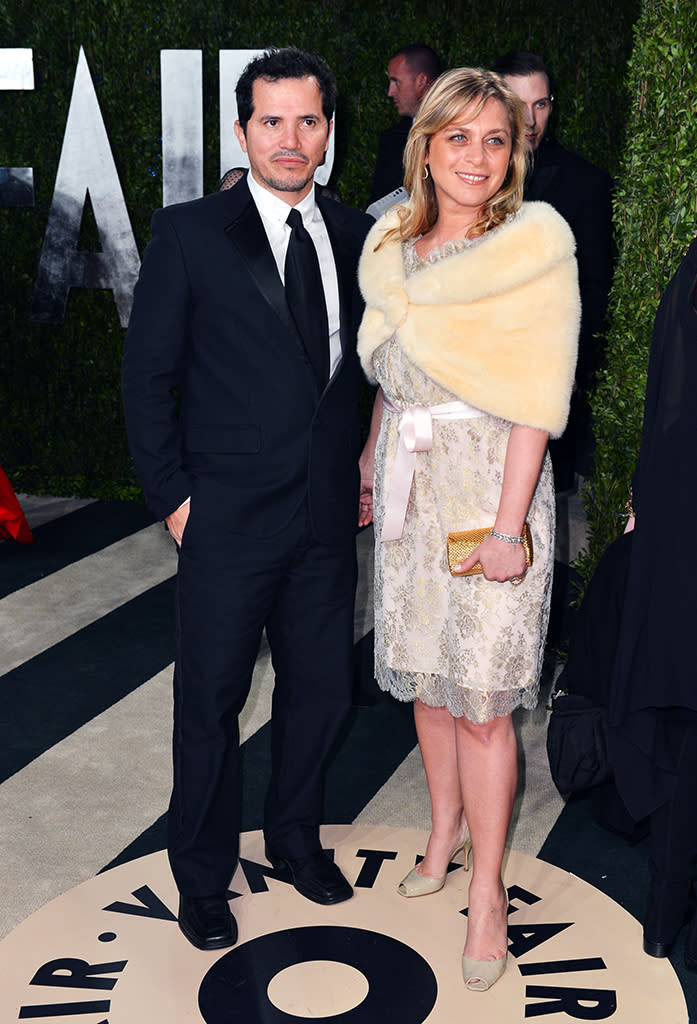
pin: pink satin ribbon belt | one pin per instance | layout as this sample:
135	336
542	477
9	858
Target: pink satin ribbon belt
415	435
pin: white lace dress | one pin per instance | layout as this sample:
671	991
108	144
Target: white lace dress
466	643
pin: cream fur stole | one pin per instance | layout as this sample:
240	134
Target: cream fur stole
496	324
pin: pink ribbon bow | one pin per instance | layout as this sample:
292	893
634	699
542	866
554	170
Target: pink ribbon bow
415	435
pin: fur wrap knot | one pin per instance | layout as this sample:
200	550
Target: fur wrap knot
495	324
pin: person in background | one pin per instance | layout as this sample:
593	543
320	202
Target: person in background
13	522
470	329
653	698
231	178
582	194
412	70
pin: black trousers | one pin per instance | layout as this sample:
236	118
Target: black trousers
673	825
231	587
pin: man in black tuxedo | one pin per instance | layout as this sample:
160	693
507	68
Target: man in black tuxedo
240	385
581	193
411	71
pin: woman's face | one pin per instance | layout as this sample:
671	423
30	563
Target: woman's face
468	159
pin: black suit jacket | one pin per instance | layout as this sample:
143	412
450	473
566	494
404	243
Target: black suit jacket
581	193
389	169
220	399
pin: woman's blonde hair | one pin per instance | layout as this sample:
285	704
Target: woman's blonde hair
462	89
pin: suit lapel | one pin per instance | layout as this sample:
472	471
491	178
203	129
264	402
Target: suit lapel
247	234
344	272
541	182
545	167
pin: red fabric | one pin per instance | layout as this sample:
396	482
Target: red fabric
12	520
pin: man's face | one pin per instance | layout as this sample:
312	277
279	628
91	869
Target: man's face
406	88
287	136
533	90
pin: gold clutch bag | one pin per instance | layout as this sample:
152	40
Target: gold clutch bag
462	544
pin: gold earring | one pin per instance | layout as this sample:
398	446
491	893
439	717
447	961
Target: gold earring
425	172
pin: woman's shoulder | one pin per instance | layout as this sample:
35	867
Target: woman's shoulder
541	220
390	220
381	267
382	250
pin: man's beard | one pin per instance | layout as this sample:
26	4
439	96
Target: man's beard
281	185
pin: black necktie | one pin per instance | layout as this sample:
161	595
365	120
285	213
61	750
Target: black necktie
305	296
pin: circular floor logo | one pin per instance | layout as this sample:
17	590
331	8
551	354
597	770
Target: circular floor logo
110	951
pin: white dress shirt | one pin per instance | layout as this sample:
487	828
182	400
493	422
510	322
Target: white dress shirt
274	212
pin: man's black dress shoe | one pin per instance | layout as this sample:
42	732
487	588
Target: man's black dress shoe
316	877
207	922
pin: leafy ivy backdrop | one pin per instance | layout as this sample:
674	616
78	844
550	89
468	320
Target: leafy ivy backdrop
61	427
655	215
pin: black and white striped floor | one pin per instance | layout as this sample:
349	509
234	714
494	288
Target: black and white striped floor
86	646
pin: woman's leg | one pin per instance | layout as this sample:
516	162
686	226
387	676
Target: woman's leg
435	728
488	765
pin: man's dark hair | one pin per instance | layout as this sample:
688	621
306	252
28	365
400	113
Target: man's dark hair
421	60
276	64
522	62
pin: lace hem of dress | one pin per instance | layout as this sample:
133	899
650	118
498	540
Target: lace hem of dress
479	706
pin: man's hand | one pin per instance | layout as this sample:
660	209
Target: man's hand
366	463
365	497
365	506
176	521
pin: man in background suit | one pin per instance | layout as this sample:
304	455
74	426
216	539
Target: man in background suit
412	70
242	416
581	193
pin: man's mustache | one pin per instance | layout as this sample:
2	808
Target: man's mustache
290	152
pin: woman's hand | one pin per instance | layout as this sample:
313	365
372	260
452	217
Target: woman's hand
500	560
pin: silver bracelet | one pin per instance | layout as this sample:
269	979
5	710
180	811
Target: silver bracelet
506	537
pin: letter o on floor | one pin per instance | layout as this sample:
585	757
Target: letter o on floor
402	985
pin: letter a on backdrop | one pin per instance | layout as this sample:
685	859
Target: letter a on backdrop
86	165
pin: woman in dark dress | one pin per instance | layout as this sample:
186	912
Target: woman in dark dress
653	704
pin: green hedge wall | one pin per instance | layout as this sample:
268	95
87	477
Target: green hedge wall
60	414
655	214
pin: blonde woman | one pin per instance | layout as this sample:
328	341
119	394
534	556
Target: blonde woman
470	329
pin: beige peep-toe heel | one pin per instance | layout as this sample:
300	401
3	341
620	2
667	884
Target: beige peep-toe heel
480	975
416	884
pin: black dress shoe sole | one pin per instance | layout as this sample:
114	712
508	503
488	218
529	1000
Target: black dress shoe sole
324	899
217	942
657	949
